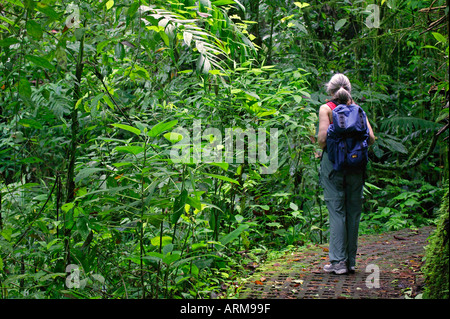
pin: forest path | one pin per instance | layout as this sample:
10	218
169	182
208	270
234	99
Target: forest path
297	275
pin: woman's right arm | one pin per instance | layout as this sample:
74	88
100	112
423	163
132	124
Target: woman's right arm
324	122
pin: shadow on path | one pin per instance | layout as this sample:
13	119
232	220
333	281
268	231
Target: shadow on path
397	255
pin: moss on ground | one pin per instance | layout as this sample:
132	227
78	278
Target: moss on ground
436	267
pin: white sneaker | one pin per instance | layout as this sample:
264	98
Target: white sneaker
339	268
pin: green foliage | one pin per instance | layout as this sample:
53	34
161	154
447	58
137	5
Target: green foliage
92	100
436	267
399	203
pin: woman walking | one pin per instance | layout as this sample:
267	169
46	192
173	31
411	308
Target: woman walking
343	190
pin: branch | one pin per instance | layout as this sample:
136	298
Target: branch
442	129
100	77
435	24
432	9
35	217
410	162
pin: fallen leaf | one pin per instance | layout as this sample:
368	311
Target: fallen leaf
258	282
252	265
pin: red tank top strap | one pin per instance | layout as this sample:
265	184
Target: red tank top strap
332	107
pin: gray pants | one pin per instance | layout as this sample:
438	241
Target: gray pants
343	194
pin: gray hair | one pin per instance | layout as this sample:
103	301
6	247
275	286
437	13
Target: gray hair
340	88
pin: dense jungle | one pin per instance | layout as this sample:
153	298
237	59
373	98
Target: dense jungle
119	174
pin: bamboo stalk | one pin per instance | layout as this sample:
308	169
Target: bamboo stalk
70	186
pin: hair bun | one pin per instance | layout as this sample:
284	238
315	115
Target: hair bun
342	96
339	88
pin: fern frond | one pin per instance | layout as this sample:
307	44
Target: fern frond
392	143
407	124
57	100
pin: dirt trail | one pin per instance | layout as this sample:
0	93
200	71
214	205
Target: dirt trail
398	256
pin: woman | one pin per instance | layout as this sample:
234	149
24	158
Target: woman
342	191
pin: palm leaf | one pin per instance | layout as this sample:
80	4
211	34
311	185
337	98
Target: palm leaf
211	49
407	124
392	143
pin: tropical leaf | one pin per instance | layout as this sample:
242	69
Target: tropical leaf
127	128
391	142
223	178
407	124
87	172
340	24
234	234
161	127
135	150
40	62
213	52
178	206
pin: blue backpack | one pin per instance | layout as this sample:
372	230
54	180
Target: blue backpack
348	137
